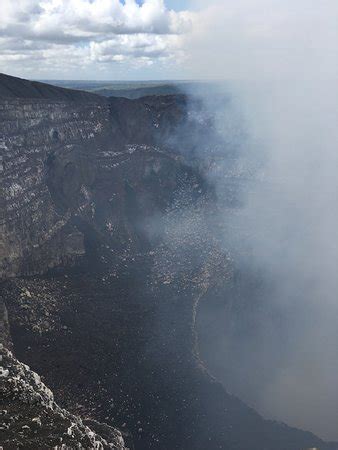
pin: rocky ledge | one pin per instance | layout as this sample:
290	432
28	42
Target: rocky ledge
30	418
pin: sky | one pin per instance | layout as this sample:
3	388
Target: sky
94	39
165	39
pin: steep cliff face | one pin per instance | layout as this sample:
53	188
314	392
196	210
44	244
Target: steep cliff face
65	162
105	210
36	235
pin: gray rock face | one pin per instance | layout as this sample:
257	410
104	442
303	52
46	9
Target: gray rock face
34	234
5	335
66	162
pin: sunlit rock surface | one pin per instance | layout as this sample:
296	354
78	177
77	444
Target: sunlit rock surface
31	419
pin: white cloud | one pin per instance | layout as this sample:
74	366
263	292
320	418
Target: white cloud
101	31
143	48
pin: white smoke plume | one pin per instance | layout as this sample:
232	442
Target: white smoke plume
280	59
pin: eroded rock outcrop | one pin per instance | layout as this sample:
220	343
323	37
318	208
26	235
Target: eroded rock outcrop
31	419
70	163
